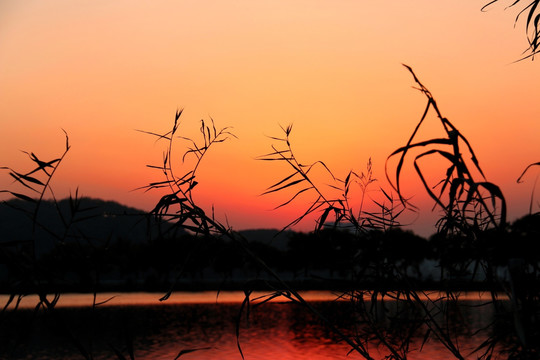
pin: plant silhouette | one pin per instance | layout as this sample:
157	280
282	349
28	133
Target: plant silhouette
532	23
377	262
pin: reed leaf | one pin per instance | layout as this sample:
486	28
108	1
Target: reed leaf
458	175
520	178
187	351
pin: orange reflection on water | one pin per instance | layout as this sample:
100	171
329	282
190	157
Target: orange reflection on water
147	298
208	321
219	297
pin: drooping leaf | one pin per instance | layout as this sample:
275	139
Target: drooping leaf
21	196
292	183
323	217
295	195
159	136
282	181
20	181
519	180
187	351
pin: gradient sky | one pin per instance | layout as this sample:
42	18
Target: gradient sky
101	69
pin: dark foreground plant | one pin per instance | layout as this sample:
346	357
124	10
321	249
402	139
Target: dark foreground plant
31	263
473	211
38	182
177	211
33	276
389	307
472	206
520	179
532	23
331	202
475	217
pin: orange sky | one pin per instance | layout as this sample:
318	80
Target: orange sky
100	69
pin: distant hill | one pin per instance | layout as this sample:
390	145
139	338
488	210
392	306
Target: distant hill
88	220
94	220
74	242
270	237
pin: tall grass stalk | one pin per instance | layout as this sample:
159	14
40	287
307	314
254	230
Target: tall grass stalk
178	210
36	279
332	209
472	206
393	309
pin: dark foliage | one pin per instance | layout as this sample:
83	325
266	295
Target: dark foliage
531	10
376	265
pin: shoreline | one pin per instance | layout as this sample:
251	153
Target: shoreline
338	285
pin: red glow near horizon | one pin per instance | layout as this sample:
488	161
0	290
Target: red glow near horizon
102	70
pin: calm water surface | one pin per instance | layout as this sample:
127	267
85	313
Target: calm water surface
188	321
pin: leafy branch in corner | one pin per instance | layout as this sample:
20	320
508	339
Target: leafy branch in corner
532	24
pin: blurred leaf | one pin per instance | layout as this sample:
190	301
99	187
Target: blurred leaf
28	178
20	196
159	136
323	217
292	183
519	180
282	181
18	179
187	351
291	199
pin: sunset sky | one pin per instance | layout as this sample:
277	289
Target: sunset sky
100	69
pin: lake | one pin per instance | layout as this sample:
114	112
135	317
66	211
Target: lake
205	322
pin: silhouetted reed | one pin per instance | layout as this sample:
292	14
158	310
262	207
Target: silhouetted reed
34	277
333	209
472	211
389	306
178	211
472	206
520	179
532	24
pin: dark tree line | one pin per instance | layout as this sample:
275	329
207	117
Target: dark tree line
328	258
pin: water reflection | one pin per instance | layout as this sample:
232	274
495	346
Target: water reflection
163	330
